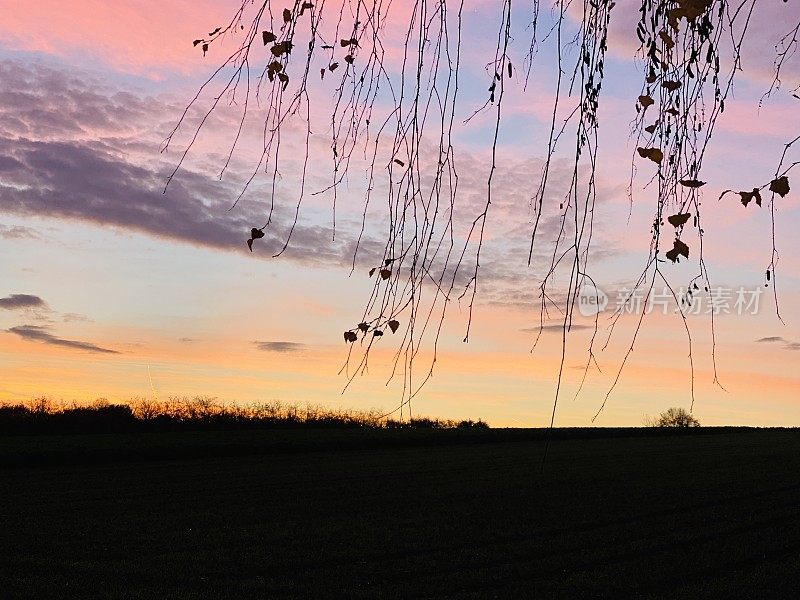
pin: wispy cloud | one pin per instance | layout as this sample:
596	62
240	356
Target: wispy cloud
34	333
22	301
556	328
73	148
776	339
16	232
281	347
75	318
162	40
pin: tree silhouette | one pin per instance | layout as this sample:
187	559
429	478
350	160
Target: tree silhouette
674	417
386	79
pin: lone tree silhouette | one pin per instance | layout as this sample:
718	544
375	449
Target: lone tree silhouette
675	417
384	81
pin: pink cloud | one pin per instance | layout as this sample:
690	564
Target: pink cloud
149	37
145	37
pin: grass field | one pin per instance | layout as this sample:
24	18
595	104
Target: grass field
401	514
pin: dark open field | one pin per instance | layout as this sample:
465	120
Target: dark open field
400	514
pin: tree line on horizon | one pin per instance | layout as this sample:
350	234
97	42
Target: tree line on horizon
44	415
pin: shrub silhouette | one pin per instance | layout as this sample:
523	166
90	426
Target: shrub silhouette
44	415
674	417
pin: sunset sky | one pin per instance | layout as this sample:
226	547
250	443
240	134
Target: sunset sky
109	288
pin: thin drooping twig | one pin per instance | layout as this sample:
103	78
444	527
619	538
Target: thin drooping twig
388	95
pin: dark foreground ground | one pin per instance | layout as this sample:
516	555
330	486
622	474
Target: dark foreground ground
402	514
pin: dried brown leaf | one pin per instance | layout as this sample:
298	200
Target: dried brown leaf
679	219
780	186
667	39
654	154
678	249
692	183
645	100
